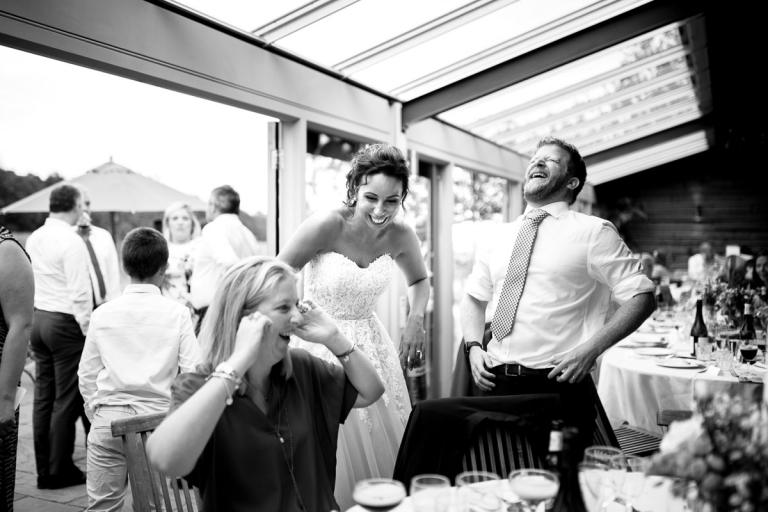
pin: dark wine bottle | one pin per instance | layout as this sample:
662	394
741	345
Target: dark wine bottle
699	328
747	330
660	304
555	445
569	498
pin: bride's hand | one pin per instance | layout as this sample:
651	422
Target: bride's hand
412	345
318	327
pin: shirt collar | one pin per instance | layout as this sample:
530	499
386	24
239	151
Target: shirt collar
141	288
226	217
556	210
57	223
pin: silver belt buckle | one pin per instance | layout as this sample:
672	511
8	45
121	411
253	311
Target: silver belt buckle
511	374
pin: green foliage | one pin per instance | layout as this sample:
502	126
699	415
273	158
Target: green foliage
14	187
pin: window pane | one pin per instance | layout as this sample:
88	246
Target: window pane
246	15
326	171
479	204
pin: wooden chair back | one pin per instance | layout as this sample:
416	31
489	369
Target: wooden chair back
664	417
148	485
499	450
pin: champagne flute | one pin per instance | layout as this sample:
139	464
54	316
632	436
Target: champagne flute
534	486
633	469
425	490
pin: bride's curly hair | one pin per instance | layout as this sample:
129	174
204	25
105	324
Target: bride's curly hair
376	159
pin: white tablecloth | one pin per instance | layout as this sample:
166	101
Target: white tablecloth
634	389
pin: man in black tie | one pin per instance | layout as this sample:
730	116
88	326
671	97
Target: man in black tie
103	265
550	275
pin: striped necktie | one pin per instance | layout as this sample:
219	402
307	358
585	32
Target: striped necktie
517	271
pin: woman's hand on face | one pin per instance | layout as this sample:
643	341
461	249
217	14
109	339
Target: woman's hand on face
412	345
317	326
250	333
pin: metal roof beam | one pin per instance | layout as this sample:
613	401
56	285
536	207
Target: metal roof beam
705	122
300	18
604	35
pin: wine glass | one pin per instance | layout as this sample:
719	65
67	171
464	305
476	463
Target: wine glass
748	349
378	494
534	486
425	490
633	481
476	490
592	476
601	454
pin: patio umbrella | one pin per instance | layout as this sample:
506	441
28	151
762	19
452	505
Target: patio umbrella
113	188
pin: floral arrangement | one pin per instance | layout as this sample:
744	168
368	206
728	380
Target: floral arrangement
729	300
723	450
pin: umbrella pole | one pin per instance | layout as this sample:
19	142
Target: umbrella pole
112	216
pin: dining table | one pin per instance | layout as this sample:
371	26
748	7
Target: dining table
655	497
653	369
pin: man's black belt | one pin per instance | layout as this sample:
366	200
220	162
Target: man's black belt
517	370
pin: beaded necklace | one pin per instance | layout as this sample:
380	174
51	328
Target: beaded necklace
282	447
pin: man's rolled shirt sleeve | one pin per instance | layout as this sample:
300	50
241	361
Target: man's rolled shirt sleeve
480	283
611	263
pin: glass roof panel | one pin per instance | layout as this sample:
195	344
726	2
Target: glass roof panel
246	15
350	30
608	98
465	41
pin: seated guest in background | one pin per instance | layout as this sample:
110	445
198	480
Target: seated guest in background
660	265
760	302
647	261
704	263
63	306
224	242
734	270
761	267
257	430
17	293
103	264
136	345
551	273
182	231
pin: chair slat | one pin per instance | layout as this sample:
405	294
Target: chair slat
148	485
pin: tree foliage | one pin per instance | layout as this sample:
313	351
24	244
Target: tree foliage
14	187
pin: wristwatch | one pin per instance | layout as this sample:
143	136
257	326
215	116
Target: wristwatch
468	346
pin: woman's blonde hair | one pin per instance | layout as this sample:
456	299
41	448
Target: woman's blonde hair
239	294
180	205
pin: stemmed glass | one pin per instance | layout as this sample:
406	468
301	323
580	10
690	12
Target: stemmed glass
613	480
534	486
633	470
593	475
748	354
425	490
476	491
378	494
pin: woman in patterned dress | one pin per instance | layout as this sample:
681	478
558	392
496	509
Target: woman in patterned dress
349	254
17	291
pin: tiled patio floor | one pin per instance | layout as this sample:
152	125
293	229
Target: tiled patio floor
28	497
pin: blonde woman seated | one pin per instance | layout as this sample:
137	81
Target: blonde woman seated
257	429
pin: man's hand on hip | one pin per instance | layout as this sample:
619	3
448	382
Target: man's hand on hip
479	362
575	365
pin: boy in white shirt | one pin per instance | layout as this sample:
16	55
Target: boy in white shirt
135	346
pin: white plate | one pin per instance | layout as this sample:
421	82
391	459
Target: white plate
639	337
681	363
654	352
650	329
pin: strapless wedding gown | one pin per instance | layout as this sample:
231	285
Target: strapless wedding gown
370	438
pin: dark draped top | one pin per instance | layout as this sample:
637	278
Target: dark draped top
244	466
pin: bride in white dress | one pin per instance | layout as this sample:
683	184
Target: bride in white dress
350	254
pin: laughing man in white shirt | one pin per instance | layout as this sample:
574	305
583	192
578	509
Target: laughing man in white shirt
559	328
224	241
63	306
135	347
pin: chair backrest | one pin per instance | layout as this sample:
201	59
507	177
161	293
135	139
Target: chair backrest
664	417
498	449
148	485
